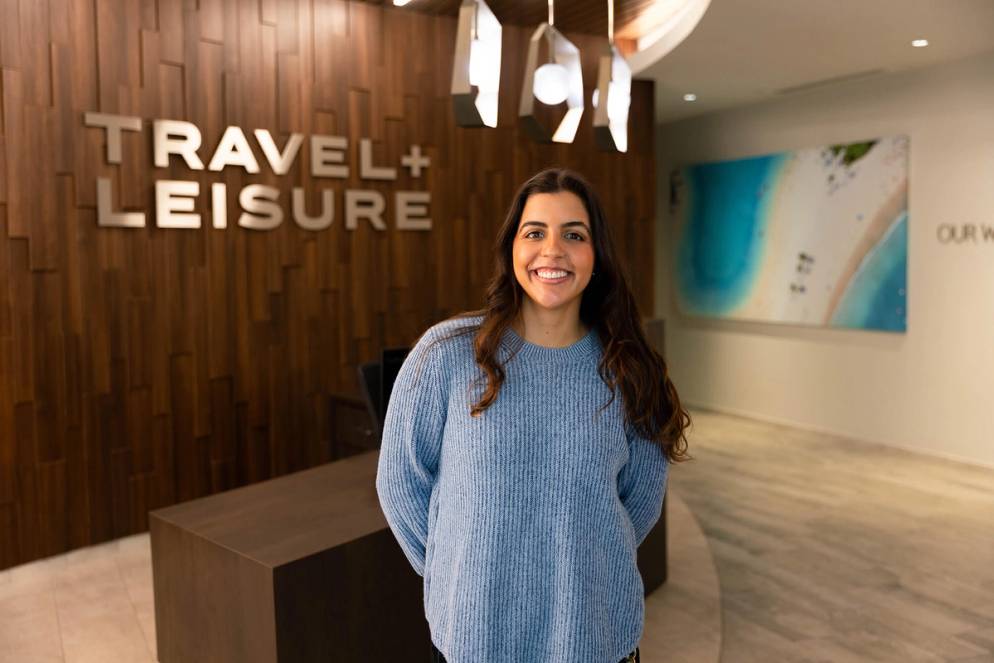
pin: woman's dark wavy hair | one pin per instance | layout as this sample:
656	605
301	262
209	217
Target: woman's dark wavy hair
629	363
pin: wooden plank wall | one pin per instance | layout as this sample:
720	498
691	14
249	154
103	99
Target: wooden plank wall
142	367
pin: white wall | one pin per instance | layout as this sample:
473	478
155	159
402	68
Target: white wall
930	389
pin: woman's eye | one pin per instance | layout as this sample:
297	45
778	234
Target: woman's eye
570	235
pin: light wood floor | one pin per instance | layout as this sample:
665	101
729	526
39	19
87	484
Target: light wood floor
830	549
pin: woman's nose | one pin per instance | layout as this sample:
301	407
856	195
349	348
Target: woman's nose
552	247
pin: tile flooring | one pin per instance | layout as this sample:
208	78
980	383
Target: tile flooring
92	605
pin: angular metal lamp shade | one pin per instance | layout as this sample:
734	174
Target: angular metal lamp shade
476	68
567	55
612	99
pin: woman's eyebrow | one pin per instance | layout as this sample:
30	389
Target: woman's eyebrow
568	224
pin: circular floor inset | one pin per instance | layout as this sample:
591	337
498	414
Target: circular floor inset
683	616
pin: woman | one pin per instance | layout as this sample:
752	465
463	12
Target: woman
515	482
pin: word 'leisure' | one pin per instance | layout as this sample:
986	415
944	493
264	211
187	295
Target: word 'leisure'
175	199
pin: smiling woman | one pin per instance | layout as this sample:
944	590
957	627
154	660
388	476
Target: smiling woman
517	497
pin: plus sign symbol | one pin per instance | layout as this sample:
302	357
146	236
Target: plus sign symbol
415	161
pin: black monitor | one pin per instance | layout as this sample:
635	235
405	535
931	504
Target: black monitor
390	362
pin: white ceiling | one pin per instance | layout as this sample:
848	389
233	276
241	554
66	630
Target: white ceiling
745	51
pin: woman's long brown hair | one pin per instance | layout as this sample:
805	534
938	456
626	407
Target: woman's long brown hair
629	363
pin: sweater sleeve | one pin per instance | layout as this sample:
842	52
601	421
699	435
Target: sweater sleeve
410	449
642	484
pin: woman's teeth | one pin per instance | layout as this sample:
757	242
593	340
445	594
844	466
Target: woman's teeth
553	275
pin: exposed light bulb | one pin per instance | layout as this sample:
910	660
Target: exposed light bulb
690	96
619	100
920	43
551	83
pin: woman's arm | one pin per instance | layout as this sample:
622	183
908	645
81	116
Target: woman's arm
409	452
642	483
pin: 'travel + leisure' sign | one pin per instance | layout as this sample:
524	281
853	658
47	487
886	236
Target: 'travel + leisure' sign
175	199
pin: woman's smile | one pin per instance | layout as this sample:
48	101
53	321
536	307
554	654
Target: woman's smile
551	276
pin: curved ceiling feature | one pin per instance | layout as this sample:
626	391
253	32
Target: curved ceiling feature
661	29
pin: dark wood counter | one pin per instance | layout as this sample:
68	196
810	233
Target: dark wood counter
297	569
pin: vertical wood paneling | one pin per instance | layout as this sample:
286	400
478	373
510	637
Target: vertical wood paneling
53	512
10	34
143	367
170	27
9	553
34	61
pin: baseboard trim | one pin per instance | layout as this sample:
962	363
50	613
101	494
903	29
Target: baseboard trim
721	409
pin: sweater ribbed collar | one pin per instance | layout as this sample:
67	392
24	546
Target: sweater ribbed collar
534	352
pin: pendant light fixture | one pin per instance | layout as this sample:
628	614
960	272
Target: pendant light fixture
613	95
556	80
551	85
476	67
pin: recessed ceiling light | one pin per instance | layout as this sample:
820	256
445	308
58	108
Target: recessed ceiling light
690	96
400	3
920	43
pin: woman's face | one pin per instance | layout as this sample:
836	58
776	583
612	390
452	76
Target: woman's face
553	249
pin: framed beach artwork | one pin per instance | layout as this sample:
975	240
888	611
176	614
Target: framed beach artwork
814	236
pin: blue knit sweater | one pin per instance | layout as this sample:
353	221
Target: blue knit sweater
524	522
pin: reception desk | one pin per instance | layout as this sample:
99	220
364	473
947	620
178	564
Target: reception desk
298	569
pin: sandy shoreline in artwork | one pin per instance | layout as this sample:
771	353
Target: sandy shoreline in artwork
882	221
823	220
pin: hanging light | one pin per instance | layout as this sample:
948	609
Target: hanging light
476	67
614	88
552	83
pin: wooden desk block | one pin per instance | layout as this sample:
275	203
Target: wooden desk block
298	569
